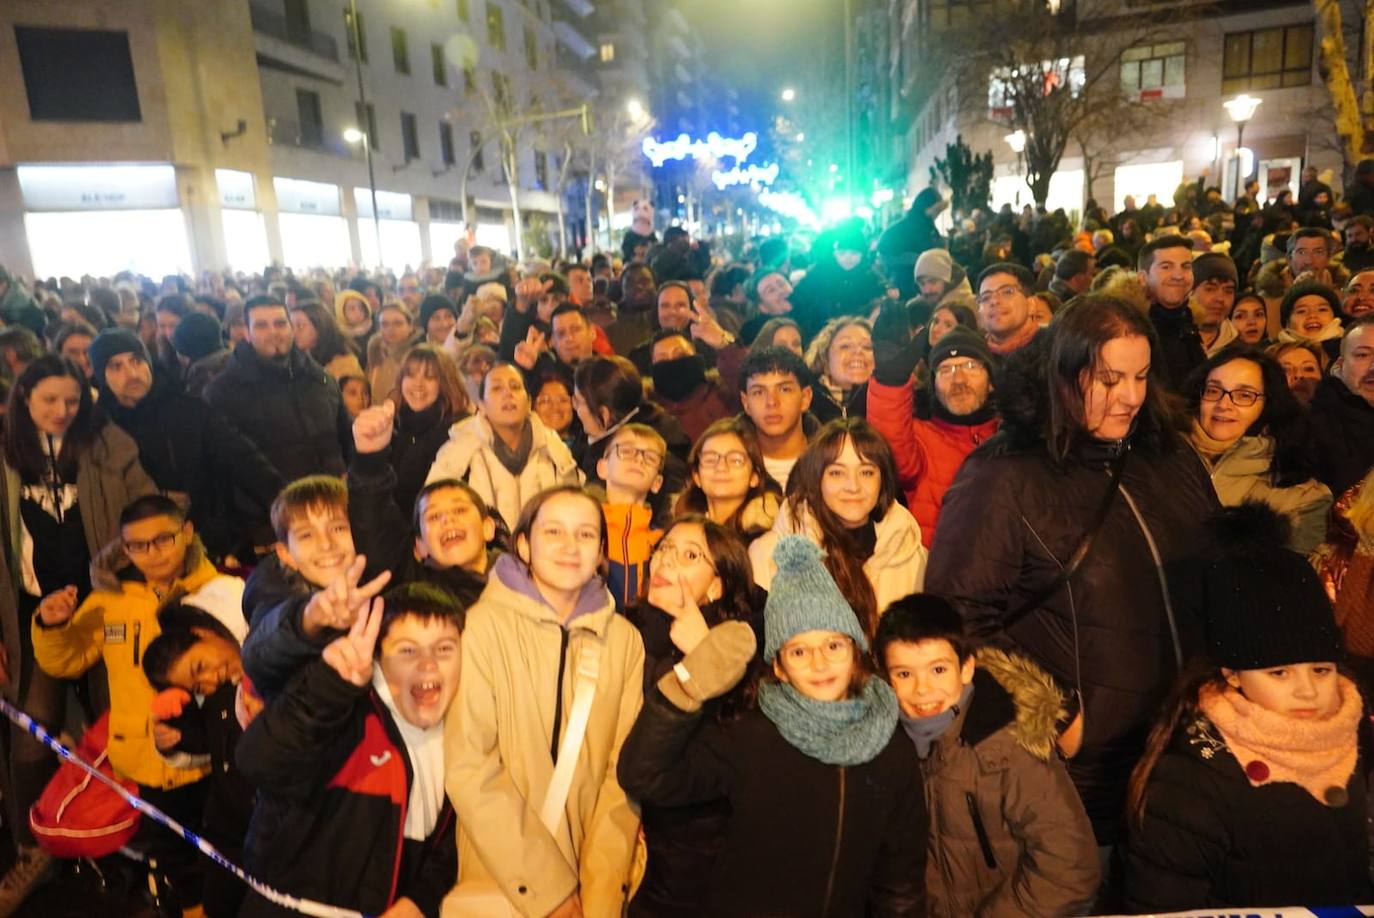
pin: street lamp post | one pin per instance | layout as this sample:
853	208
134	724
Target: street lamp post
1241	109
357	133
1017	141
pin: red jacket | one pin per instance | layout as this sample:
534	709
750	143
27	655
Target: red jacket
928	453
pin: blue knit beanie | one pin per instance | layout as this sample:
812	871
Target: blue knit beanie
804	597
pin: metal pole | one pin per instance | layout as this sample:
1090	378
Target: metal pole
367	133
849	177
1240	139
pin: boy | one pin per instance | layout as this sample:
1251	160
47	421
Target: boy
984	729
349	764
632	469
157	555
775	390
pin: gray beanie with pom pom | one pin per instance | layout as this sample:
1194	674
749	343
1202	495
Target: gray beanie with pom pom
804	597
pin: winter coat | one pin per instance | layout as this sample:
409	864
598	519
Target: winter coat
960	292
108	477
344	365
1008	835
200	372
1343	425
114	625
274	600
803	837
1180	345
384	364
896	569
903	242
1009	524
193	449
292	411
828	291
520	669
418	438
630	541
1210	839
1242	473
708	403
333	778
827	407
469	456
928	453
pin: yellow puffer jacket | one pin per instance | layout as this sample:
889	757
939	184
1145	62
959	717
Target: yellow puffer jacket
116	623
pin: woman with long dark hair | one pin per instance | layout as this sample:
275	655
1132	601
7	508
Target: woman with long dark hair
429	400
842	495
1062	535
728	481
318	334
1256	441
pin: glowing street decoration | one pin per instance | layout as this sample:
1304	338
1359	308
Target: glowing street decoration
753	174
714	146
790	204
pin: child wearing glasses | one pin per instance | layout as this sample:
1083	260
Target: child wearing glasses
157	557
1255	440
728	482
632	468
826	812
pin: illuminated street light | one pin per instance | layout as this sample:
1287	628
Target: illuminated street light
1241	109
353	135
1017	141
834	168
801	135
789	94
635	109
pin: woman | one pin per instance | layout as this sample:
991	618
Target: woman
504	452
1254	438
353	315
1304	363
1311	312
944	318
1345	563
1080	406
394	336
699	577
67	475
318	335
826	810
429	400
842	495
553	403
779	331
729	482
544	628
841	360
1249	317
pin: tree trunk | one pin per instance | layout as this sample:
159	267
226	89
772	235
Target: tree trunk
511	163
1336	74
562	182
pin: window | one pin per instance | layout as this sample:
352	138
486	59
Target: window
446	143
531	49
464	10
360	33
370	120
78	74
297	21
475	145
309	118
400	52
410	136
607	52
1154	71
541	170
943	14
1046	77
496	26
436	59
1267	59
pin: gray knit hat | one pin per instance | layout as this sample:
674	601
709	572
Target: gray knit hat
804	597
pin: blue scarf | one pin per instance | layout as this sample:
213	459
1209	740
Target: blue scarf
924	731
848	732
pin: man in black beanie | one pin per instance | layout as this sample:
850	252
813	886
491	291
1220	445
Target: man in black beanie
199	342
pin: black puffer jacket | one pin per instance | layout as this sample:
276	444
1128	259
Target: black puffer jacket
828	291
292	411
1013	518
419	434
803	837
1180	344
1343	423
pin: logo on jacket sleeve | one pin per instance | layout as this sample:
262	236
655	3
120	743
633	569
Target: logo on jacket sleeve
375	767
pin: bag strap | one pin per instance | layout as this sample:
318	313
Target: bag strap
588	669
1080	550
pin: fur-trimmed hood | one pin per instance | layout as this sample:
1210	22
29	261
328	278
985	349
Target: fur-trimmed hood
1012	692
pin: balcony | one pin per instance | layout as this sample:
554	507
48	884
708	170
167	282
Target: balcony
282	132
285	45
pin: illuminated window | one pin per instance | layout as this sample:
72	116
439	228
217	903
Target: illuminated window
1154	71
607	52
1267	59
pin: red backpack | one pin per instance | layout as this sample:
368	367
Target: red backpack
78	816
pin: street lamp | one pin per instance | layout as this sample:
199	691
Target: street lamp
355	136
789	94
1241	109
1017	141
635	108
801	136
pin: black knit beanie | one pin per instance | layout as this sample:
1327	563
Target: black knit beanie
197	336
110	343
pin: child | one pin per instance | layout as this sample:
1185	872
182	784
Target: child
1252	788
156	558
827	814
356	394
290	623
1008	834
349	765
632	470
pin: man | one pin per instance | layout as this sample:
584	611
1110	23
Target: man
17	306
1343	412
579	284
1165	268
1004	309
929	451
1214	293
843	282
536	299
775	391
684	385
632	324
676	311
1073	274
941	282
574	340
1360	196
679	258
1357	255
902	243
1309	249
281	399
1357	299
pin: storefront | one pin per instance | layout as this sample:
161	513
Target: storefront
1140	180
314	232
103	218
446	227
400	234
245	232
1066	191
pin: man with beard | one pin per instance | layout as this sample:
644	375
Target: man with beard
1004	312
1357	256
1357	299
1343	411
1165	267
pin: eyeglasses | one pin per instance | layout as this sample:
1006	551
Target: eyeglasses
1001	293
734	459
949	368
681	555
1241	398
162	541
834	651
637	454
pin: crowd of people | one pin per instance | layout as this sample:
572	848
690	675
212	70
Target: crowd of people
1021	571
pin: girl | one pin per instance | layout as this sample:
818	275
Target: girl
553	404
1251	790
842	495
429	400
841	359
729	482
1304	363
699	577
1249	317
779	332
395	334
826	811
318	334
352	315
946	317
1311	312
1253	436
544	624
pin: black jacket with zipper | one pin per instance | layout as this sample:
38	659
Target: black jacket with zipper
1117	630
802	837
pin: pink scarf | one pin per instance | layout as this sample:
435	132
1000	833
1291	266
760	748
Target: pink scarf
1318	755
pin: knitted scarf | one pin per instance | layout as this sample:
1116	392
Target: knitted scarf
1021	339
1317	755
1210	448
848	732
